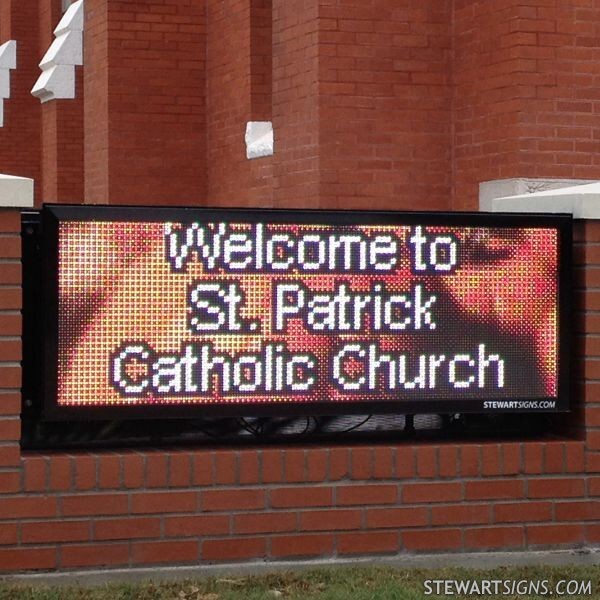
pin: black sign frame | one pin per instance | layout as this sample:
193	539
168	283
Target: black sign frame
46	305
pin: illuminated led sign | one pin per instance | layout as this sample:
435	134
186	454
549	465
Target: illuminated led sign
228	312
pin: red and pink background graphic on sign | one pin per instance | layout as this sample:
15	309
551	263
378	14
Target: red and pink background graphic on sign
369	320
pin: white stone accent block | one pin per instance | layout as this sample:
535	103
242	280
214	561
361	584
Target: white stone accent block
8	55
259	139
66	51
501	188
581	201
56	82
4	83
8	61
72	20
16	191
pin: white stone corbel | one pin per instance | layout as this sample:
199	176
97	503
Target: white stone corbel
259	139
57	80
8	62
72	20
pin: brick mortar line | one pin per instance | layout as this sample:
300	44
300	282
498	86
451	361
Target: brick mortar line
498	475
259	486
584	497
95	519
300	532
490	475
33	455
399	503
425	527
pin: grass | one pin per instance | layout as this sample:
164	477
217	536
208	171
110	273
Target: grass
336	583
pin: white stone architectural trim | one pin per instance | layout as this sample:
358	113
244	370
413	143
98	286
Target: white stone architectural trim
58	64
16	191
8	62
66	4
72	20
259	139
500	188
582	201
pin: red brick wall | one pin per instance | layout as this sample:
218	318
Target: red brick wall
61	127
385	104
587	324
238	91
296	103
116	508
373	107
261	59
145	102
20	136
361	104
95	83
373	104
525	94
44	142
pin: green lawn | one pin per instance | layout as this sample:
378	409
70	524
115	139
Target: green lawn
336	583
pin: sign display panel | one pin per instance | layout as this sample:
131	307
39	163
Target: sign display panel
163	311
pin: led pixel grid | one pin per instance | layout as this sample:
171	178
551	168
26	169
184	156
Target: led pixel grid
219	312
